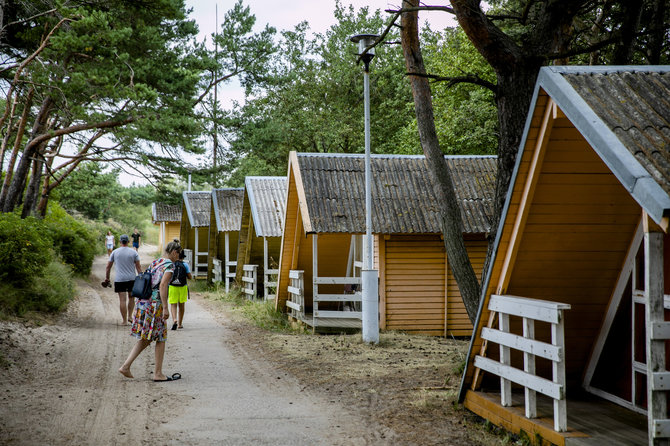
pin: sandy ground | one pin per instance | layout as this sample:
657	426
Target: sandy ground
61	386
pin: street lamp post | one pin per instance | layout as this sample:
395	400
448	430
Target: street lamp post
369	276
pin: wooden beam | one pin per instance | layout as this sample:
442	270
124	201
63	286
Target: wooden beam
300	189
527	196
382	282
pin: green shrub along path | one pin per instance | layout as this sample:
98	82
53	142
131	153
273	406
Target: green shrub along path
61	386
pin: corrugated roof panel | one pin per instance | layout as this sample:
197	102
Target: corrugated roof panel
198	205
267	198
635	105
229	202
402	193
166	212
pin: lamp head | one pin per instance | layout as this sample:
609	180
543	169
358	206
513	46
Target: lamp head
364	41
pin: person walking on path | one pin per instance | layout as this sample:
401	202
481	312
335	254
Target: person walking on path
151	315
127	267
109	242
136	239
178	291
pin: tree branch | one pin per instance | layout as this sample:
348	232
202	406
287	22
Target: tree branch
78	128
453	80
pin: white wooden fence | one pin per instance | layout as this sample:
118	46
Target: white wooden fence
347	301
231	267
216	270
296	294
530	310
270	283
189	259
249	281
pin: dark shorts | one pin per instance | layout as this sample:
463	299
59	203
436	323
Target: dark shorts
122	287
136	244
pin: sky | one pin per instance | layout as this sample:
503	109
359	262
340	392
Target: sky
283	16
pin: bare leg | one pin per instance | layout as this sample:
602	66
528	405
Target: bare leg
173	312
131	307
160	354
134	353
181	313
123	308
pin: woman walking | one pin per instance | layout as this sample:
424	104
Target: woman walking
151	315
109	242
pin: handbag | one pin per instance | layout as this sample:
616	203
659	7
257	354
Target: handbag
142	286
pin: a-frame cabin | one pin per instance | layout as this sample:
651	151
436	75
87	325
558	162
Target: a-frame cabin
261	224
322	243
570	344
194	233
224	232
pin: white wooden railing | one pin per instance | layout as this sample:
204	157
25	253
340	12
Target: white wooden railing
270	282
530	310
231	267
296	294
352	298
249	283
216	270
189	259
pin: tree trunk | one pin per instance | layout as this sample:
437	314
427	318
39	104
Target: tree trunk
623	52
15	150
450	213
19	178
657	37
30	200
46	190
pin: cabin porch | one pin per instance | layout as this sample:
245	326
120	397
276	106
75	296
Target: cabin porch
590	419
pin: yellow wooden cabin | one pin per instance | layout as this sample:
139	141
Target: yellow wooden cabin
570	344
261	224
325	220
224	234
168	219
194	231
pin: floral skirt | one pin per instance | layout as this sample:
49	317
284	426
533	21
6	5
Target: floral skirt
148	322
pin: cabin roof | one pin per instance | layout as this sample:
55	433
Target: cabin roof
165	212
402	193
198	205
267	200
227	205
624	114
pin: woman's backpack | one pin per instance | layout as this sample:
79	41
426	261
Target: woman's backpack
149	280
178	274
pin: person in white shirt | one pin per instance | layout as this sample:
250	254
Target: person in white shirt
127	265
109	242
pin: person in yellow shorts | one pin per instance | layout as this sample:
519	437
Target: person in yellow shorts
178	290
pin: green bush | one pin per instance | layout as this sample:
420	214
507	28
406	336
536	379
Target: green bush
74	243
34	276
24	246
54	289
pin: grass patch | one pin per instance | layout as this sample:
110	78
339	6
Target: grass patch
259	312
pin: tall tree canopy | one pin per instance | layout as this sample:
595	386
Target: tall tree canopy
517	37
109	81
313	99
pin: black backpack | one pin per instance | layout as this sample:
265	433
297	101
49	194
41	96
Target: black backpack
178	274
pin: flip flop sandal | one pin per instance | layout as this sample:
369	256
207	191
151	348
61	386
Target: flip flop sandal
174	377
174	326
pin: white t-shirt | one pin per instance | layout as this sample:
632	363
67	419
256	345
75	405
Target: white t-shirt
124	259
109	239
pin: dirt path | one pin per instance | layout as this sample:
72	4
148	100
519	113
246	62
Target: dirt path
62	386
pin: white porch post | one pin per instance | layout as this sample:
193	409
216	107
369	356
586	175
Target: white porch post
657	333
227	259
